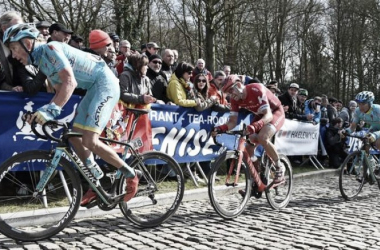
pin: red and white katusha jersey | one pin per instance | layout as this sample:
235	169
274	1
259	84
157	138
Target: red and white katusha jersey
258	99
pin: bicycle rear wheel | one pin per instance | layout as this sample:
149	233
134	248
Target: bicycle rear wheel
225	198
279	196
28	217
352	175
160	192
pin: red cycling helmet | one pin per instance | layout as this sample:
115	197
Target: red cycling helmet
229	82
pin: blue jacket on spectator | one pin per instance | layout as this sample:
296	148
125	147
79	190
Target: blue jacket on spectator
310	109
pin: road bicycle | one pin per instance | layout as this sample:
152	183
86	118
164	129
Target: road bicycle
41	190
233	177
359	168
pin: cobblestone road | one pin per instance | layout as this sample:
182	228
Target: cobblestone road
316	218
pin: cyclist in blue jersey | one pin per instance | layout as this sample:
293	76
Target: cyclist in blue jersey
68	68
368	112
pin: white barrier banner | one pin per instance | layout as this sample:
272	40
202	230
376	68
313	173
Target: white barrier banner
297	138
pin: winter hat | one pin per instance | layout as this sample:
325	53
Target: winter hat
155	56
99	39
352	104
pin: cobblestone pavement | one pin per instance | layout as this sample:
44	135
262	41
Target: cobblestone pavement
316	218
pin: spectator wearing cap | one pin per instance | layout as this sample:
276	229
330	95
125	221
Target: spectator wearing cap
151	49
301	98
76	41
43	28
157	79
289	100
200	68
59	32
168	62
99	42
124	52
116	41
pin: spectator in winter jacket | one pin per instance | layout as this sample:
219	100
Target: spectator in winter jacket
313	109
222	105
157	79
289	100
334	143
200	68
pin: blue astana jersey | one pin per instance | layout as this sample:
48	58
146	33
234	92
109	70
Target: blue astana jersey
372	118
55	56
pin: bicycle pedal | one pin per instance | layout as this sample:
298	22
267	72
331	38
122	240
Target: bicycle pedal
273	184
92	204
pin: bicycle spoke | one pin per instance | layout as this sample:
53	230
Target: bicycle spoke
352	176
280	194
160	190
26	215
229	198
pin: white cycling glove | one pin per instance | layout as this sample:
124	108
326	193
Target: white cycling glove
48	112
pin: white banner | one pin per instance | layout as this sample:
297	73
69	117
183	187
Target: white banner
297	138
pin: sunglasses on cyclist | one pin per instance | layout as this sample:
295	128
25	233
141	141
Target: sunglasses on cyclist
233	86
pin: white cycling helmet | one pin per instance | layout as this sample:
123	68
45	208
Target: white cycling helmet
365	97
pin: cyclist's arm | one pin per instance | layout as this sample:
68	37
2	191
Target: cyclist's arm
232	120
352	127
66	88
267	115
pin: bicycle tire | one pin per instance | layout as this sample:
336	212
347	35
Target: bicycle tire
227	200
30	218
352	175
150	207
279	196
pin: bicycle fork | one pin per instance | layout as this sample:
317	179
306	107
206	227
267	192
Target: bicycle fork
48	172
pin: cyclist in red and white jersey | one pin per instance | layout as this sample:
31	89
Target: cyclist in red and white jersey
268	112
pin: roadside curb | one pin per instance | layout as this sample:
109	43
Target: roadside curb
202	193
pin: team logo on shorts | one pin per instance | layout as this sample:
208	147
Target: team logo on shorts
99	109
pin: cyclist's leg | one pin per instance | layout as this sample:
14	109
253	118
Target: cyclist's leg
264	138
93	113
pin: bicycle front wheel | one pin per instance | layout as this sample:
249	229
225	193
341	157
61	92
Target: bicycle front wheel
27	216
279	196
352	175
160	191
228	198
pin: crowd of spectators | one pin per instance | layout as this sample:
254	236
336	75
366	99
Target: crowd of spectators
148	76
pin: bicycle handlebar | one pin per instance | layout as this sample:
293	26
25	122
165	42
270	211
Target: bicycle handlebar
241	133
361	136
47	135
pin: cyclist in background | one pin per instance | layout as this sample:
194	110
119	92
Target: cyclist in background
269	117
68	68
368	112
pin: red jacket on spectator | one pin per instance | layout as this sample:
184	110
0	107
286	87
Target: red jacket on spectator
120	63
214	91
